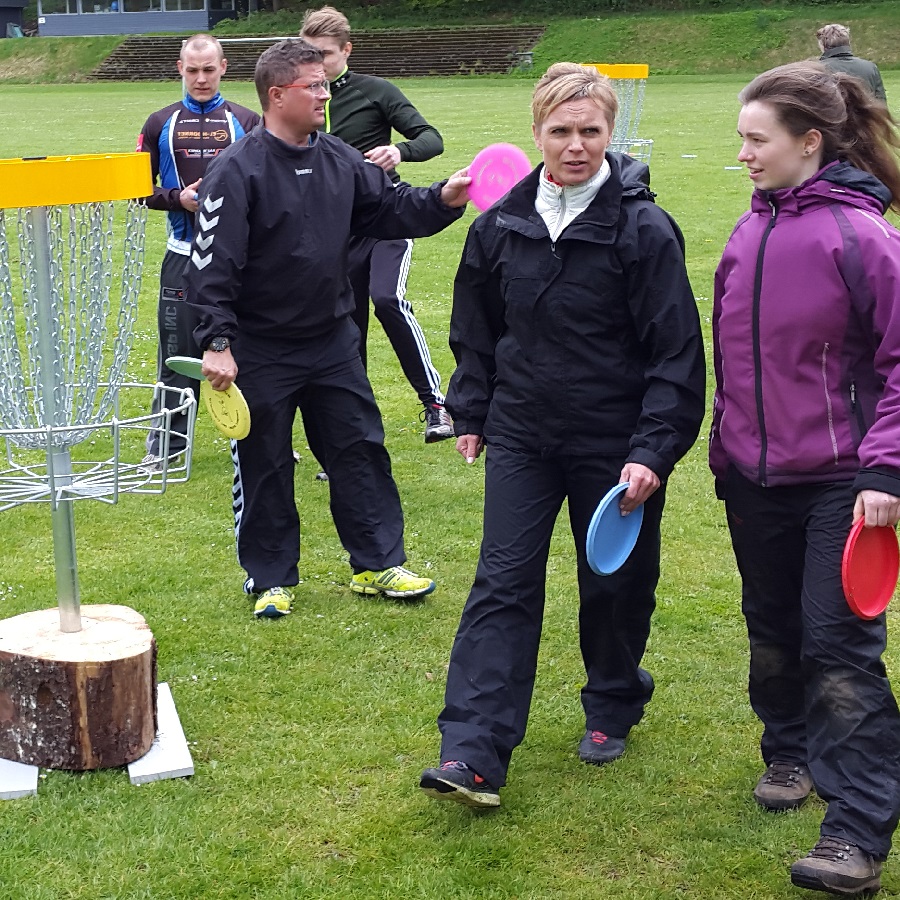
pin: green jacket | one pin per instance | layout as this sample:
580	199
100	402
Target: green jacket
840	59
364	110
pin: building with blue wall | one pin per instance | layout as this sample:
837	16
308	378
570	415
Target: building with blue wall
70	18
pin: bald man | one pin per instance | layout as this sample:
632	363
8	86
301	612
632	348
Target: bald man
182	139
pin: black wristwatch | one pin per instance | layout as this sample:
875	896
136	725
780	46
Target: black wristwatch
218	344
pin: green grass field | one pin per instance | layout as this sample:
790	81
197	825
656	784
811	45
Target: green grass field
309	734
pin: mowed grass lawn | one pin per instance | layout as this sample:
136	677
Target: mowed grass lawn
309	734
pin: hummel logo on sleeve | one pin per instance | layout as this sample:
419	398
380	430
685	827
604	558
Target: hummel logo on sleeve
206	224
202	239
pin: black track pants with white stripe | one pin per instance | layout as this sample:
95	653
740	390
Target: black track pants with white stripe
379	269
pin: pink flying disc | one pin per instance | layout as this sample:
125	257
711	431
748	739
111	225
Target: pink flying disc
869	568
494	171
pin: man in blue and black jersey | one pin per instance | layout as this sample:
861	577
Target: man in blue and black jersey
182	139
363	111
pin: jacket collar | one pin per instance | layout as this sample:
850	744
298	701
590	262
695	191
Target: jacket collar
196	106
283	148
843	50
837	182
576	195
341	80
628	178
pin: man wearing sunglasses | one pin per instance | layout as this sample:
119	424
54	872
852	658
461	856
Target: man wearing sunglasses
268	281
364	111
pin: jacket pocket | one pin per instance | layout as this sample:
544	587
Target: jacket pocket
857	412
828	404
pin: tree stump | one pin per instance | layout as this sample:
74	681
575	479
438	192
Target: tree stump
82	700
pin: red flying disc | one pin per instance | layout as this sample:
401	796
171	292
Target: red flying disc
869	568
494	171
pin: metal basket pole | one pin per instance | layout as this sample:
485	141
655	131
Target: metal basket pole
59	459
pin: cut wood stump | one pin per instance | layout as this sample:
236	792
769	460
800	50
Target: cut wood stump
82	700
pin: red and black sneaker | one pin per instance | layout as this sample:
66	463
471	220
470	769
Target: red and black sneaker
455	781
599	748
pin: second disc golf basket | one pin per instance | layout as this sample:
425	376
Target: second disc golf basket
77	690
629	83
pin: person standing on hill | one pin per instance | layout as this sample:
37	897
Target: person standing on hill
363	111
182	139
834	44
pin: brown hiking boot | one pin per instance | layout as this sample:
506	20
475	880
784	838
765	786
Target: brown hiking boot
837	867
784	785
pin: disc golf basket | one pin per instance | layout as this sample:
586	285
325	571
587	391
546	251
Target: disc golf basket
76	691
629	83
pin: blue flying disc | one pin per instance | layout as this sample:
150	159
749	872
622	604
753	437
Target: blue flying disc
611	536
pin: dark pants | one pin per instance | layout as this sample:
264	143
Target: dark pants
326	381
817	681
494	658
176	338
379	269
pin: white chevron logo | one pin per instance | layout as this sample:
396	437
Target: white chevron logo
201	262
211	205
204	242
206	224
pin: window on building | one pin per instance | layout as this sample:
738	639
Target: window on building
52	7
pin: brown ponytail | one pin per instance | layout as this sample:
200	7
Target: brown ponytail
855	127
870	140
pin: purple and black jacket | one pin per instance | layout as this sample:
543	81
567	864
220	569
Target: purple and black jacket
806	331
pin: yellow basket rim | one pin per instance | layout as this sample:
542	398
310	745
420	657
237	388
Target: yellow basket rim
622	70
64	180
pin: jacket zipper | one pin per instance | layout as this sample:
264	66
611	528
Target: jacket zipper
562	215
757	352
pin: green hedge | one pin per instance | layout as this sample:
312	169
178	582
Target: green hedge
368	14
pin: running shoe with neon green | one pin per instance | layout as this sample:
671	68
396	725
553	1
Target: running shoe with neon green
393	582
273	603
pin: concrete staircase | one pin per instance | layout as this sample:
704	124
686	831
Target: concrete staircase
478	50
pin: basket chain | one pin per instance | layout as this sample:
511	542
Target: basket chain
81	263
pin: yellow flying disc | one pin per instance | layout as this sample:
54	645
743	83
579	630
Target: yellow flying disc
228	409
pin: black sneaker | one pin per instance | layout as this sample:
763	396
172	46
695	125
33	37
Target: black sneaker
836	867
456	781
598	748
438	424
784	785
